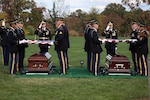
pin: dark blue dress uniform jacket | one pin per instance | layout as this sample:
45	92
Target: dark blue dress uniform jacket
13	41
111	35
142	44
61	40
43	33
4	38
87	41
94	42
133	46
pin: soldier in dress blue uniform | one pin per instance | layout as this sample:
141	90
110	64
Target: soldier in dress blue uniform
133	46
4	37
68	43
142	49
44	34
95	47
87	46
110	33
13	42
21	47
62	44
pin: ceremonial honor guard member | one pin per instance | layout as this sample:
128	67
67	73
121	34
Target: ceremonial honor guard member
142	44
21	47
62	44
87	46
95	47
44	34
13	43
110	33
4	45
133	46
65	29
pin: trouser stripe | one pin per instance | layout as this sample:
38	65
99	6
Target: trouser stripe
17	62
2	55
136	61
91	61
63	62
96	62
66	62
13	63
140	64
145	67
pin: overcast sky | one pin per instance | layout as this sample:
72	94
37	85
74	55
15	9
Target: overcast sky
84	5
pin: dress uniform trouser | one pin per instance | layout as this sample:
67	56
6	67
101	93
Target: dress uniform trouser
21	58
13	63
110	48
62	61
5	55
43	48
143	66
135	61
96	62
66	59
89	61
111	51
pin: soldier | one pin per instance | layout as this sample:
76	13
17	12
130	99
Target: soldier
44	34
62	44
110	33
4	40
142	49
21	47
133	46
68	43
95	47
13	43
87	47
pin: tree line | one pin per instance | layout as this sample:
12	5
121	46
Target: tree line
28	11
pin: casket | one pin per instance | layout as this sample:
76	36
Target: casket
119	64
39	62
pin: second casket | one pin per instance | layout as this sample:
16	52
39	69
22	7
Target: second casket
118	64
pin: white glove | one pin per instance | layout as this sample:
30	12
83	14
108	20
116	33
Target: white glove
134	40
24	41
116	48
40	25
107	28
3	23
20	42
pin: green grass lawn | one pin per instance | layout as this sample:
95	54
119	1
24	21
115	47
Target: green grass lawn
63	88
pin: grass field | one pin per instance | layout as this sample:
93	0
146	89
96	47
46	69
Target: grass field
63	88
